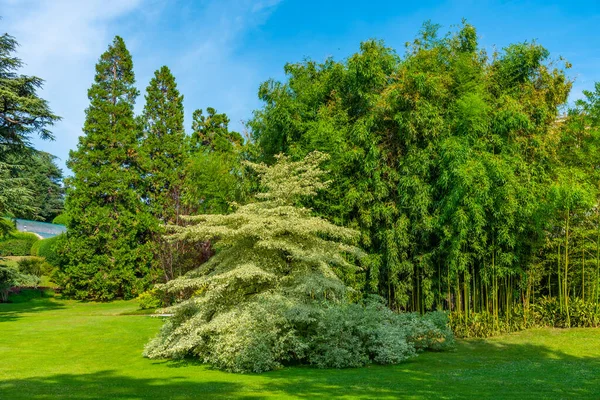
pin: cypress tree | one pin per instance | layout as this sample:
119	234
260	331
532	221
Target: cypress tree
107	248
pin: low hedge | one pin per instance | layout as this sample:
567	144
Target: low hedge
17	244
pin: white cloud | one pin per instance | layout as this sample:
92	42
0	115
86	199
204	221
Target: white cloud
60	42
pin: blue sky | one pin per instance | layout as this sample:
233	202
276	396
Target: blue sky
220	51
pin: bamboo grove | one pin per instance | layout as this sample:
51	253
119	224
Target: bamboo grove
473	184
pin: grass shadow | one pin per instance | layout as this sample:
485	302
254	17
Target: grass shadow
480	370
13	311
110	385
476	369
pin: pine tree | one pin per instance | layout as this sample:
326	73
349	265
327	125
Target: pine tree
43	178
211	132
214	172
107	248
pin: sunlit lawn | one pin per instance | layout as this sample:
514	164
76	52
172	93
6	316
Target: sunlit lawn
53	349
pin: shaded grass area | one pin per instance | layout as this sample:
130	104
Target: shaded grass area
65	349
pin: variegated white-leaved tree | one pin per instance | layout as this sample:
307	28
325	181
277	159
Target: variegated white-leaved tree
272	292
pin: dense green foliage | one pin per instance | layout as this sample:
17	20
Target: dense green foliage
11	276
17	243
35	266
545	312
163	147
48	249
470	193
214	176
107	249
135	175
56	348
15	197
272	292
23	114
41	176
60	219
164	155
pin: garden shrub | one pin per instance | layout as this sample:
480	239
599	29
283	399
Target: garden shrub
47	248
583	314
11	277
36	266
60	219
17	244
6	227
545	312
35	248
352	335
153	298
274	331
272	293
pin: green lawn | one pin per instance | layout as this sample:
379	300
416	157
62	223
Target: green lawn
53	348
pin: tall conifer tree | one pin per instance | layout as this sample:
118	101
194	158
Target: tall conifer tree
163	151
163	148
107	246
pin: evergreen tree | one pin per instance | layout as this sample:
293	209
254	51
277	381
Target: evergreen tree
107	248
164	155
211	132
214	173
43	178
163	146
23	113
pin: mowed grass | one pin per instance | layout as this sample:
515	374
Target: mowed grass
61	349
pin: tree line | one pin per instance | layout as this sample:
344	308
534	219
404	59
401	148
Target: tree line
133	176
473	184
